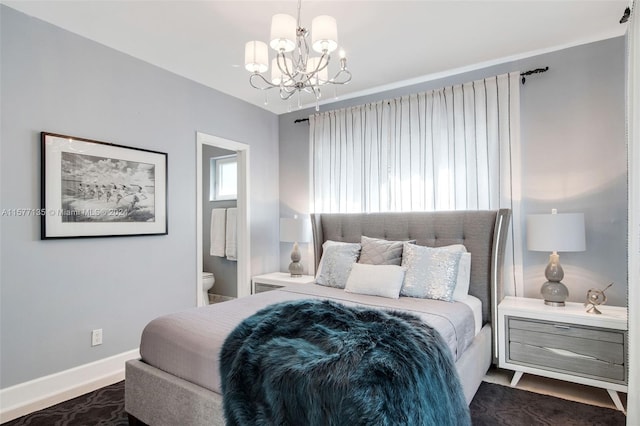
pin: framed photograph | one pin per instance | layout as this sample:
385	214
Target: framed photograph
99	189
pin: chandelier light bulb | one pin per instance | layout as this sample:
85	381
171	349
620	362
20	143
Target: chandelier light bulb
256	56
283	32
324	34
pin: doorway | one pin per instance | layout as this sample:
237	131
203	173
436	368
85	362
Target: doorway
243	285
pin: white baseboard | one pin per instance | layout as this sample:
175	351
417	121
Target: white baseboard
43	392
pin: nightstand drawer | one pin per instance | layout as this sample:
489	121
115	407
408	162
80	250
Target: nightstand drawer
261	287
585	351
607	352
569	330
554	359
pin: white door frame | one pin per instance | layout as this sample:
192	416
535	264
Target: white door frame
633	147
243	234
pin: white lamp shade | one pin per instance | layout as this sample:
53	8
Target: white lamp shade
294	230
556	232
276	72
283	32
322	76
256	56
324	33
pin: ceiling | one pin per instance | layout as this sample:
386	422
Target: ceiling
388	43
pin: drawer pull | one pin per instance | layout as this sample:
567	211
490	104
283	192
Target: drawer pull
563	352
562	327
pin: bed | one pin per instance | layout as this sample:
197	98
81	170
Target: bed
176	380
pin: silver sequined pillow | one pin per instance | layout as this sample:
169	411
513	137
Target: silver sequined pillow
336	262
431	273
376	251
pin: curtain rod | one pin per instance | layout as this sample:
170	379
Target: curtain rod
530	72
522	74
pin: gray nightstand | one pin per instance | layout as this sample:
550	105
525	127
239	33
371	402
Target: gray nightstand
565	343
276	280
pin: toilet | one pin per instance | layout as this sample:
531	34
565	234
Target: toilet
207	282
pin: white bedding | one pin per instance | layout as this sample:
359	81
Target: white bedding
476	307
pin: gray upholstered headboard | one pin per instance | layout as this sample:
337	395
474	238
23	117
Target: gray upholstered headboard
482	232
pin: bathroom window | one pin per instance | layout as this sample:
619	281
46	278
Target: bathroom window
224	178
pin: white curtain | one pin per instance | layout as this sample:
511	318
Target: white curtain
633	135
456	148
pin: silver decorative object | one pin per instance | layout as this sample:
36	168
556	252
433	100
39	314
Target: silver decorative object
595	298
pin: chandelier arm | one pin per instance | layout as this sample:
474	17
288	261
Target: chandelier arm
284	94
314	74
290	89
326	57
315	90
269	85
334	79
303	51
284	69
305	81
287	91
290	83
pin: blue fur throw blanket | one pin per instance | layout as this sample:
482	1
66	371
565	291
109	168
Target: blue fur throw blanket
314	362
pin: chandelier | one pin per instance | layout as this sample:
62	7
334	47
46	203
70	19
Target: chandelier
294	69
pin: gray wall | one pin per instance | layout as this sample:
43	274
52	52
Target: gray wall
225	271
54	292
573	158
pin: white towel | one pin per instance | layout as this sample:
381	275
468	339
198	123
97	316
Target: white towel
218	218
232	240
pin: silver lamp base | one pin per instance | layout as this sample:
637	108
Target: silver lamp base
295	267
554	293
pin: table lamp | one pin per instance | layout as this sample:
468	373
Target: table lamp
294	230
555	233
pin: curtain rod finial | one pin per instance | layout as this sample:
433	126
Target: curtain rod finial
625	15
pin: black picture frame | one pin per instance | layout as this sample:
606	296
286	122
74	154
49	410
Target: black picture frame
99	189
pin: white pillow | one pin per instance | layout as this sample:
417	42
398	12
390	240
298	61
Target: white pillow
336	262
464	272
464	277
431	273
375	280
454	247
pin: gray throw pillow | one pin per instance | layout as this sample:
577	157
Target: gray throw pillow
376	251
336	262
